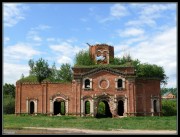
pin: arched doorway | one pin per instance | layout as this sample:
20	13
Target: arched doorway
155	105
31	107
103	110
120	108
59	107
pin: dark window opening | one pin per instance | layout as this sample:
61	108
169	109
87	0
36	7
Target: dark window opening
31	107
119	83
155	105
120	108
87	83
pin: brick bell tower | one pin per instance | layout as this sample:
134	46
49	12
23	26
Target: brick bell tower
101	53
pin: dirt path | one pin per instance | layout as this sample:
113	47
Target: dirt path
39	130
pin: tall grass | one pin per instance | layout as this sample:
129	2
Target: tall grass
151	123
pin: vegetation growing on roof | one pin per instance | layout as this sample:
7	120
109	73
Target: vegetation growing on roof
40	70
83	58
143	70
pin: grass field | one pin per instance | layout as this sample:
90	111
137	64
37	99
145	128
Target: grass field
151	123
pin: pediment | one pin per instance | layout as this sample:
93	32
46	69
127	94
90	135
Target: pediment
98	70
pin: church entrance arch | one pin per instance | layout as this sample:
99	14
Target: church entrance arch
103	109
59	107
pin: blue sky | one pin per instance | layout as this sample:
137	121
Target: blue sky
57	31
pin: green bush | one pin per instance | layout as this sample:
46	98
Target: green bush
8	104
169	107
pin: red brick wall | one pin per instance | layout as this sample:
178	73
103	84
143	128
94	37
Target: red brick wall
138	92
145	89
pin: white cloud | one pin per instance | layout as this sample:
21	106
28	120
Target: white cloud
131	32
13	13
118	10
143	20
65	48
37	38
33	34
12	72
19	51
6	39
41	27
65	51
148	13
50	39
64	59
155	9
160	49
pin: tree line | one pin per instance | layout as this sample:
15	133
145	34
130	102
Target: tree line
40	71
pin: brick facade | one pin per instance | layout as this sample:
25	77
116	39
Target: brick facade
122	92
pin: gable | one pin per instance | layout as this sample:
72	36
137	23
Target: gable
99	70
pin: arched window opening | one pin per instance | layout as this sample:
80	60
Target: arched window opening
119	83
31	107
87	83
87	107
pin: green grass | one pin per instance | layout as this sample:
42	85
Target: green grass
151	123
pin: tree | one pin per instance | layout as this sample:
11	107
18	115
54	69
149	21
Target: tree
8	98
65	72
22	76
84	58
31	65
8	104
41	70
54	73
9	89
169	107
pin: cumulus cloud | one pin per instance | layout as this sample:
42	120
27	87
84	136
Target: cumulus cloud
160	49
6	39
19	51
64	59
116	11
148	13
13	13
12	72
131	32
66	50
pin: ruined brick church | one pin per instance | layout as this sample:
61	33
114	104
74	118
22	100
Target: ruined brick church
118	88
